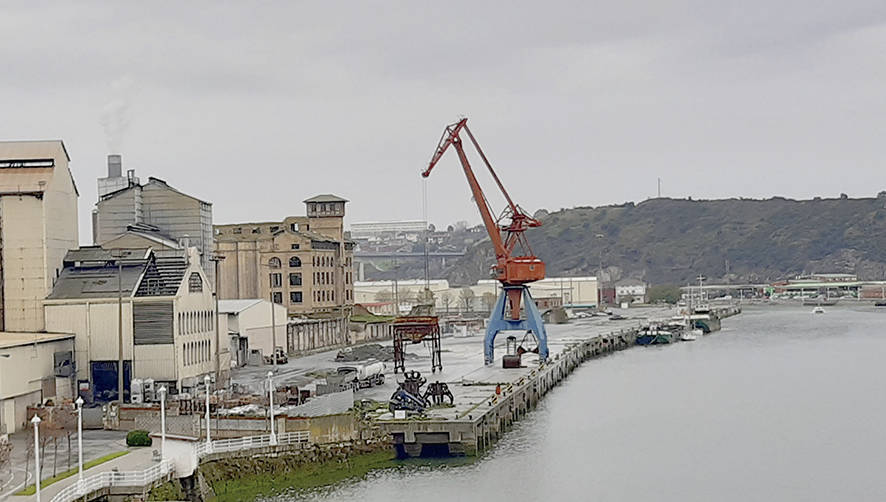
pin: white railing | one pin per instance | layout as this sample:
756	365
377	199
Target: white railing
110	479
250	442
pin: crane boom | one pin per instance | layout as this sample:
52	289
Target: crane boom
510	269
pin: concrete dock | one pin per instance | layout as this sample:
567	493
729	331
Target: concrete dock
480	414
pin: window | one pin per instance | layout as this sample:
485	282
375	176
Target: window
256	230
294	246
295	279
295	297
277	297
276	280
295	261
294	227
195	283
237	231
275	262
274	229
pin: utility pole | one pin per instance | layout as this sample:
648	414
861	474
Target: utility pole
216	259
659	188
273	333
118	254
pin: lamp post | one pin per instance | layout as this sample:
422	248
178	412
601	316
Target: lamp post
271	407
36	421
217	259
162	391
206	380
79	403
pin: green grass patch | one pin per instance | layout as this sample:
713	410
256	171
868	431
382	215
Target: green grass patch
32	489
306	477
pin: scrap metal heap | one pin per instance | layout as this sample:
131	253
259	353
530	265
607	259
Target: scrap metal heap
409	397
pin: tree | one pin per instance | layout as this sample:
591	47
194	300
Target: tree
6	455
489	300
446	298
466	295
665	293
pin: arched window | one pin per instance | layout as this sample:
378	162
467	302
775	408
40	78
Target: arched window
295	262
275	262
195	283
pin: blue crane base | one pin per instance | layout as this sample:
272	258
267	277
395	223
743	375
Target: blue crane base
498	321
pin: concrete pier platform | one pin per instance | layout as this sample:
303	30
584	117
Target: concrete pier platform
488	400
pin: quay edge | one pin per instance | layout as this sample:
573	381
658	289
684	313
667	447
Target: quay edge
490	415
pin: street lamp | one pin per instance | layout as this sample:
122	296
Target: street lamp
271	407
206	380
162	391
79	403
36	421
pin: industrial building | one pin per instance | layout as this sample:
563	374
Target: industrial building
168	318
250	331
303	262
34	367
152	214
38	224
630	290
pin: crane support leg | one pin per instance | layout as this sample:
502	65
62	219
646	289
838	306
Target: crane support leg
501	321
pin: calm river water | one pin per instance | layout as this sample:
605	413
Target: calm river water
779	405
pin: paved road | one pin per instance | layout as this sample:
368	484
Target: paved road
96	443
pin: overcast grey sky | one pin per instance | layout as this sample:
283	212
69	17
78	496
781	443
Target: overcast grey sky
257	106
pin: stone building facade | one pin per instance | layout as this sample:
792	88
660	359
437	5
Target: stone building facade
302	262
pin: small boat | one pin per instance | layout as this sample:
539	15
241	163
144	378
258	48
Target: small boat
880	304
688	335
655	335
818	310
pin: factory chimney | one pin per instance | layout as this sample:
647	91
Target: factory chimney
115	165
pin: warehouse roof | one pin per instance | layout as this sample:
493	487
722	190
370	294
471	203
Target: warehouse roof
14	339
236	306
325	197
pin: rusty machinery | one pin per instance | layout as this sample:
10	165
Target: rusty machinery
417	329
513	269
409	396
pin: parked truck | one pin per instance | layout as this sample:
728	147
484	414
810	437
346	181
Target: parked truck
362	376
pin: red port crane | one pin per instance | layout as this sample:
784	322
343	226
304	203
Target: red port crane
506	232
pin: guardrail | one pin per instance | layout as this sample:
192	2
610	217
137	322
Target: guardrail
110	479
250	442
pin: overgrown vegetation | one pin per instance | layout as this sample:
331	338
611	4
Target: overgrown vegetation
664	293
249	485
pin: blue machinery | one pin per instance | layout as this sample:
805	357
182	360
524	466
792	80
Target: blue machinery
499	320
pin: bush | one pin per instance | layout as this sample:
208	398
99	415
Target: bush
138	438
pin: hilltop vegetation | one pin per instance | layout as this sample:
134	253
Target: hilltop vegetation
673	240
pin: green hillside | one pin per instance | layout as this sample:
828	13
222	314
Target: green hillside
671	241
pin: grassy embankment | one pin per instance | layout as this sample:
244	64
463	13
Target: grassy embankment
31	489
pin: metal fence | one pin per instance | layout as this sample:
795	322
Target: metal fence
249	442
141	479
109	479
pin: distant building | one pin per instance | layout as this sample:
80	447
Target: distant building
151	215
382	229
38	224
249	328
303	262
168	318
632	289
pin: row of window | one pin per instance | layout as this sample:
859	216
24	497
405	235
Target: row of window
323	261
276	280
324	278
324	296
257	230
196	352
195	322
294	262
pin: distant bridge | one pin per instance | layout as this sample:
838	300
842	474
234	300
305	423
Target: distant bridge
392	255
